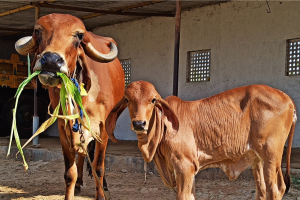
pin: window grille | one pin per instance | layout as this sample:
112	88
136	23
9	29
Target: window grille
293	56
126	64
198	69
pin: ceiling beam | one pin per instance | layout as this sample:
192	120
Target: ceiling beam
101	11
10	33
22	8
138	5
16	29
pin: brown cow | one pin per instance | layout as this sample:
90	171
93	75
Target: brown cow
232	130
62	44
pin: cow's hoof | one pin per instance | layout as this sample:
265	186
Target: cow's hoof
77	189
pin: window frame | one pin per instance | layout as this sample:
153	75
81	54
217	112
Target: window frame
188	69
127	60
287	60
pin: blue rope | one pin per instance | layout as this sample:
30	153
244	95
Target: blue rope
76	126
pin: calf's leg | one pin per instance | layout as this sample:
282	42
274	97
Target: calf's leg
275	186
185	182
272	155
258	174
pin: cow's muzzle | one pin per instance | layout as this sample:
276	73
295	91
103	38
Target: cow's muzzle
49	64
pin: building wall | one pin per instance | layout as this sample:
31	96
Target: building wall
248	46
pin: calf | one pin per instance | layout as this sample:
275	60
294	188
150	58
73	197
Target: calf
232	130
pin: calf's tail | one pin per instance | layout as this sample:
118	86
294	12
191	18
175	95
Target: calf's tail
287	177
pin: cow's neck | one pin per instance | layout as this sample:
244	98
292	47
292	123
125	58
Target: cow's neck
54	96
154	136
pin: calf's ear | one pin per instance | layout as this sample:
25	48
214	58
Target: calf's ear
110	122
169	118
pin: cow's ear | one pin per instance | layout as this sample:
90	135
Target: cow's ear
169	118
111	120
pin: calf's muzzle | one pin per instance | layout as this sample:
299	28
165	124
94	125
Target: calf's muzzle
139	125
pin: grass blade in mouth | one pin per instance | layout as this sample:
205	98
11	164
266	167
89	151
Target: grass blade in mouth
74	92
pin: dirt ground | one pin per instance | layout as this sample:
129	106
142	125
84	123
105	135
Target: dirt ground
44	180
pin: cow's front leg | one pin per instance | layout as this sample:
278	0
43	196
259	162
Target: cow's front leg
98	164
185	182
79	182
70	175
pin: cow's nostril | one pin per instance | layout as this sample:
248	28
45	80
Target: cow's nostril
43	60
60	60
139	125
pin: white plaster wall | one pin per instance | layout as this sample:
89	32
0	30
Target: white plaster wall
248	46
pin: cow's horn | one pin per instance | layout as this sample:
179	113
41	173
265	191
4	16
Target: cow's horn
100	57
25	45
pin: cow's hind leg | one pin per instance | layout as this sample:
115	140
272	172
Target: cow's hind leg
79	182
258	174
105	184
98	163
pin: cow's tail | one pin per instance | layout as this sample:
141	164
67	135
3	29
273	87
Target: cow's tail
91	152
287	177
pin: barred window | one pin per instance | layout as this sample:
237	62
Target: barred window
292	57
198	69
126	64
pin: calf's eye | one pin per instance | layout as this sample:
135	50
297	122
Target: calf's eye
37	32
126	100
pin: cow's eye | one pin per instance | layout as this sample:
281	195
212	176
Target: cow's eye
126	100
80	36
153	100
37	32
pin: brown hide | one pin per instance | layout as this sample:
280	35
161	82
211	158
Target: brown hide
242	127
104	82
